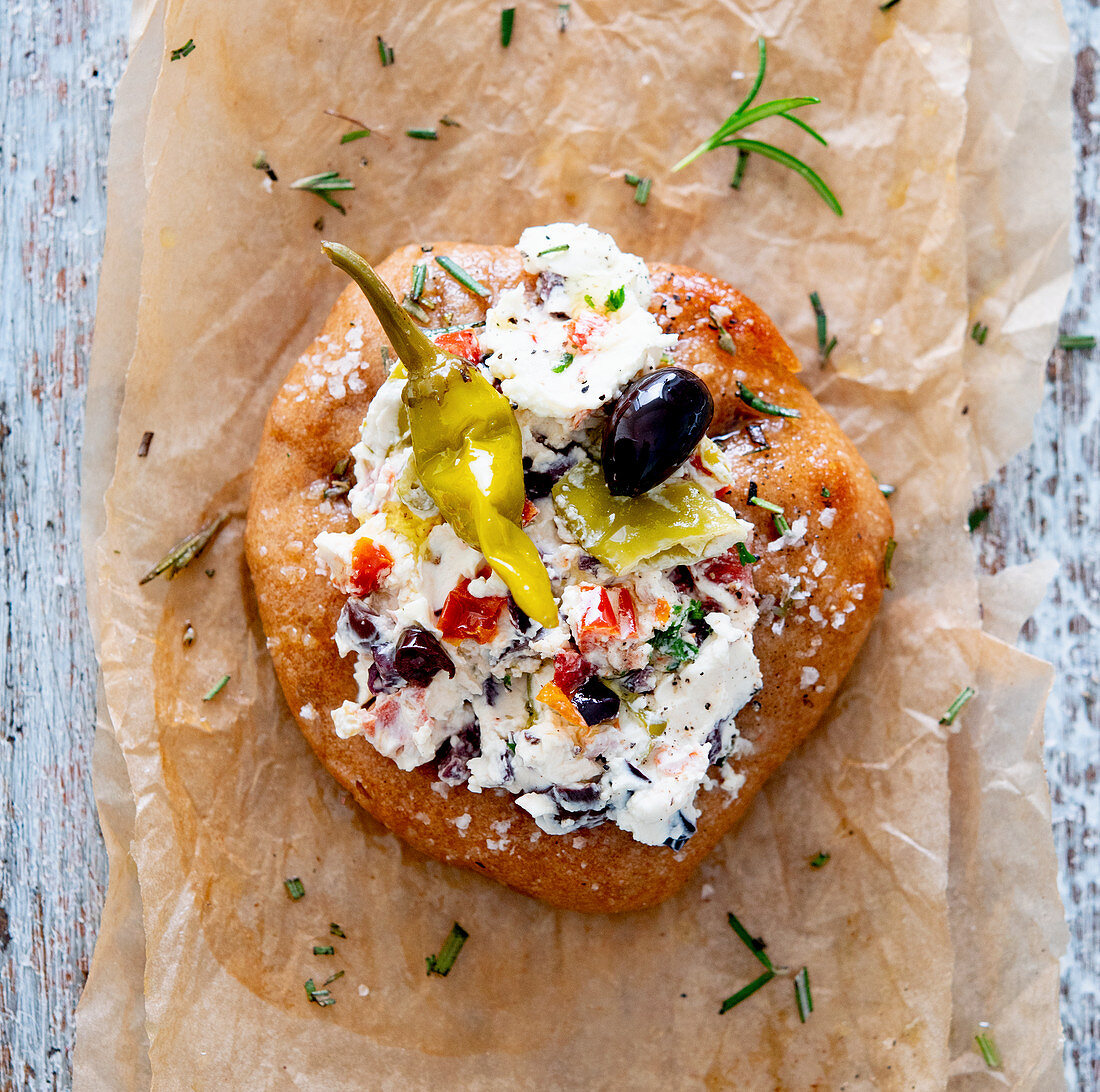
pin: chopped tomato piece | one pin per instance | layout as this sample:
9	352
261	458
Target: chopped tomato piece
606	613
584	329
570	670
463	343
369	563
530	511
727	569
628	620
465	615
552	695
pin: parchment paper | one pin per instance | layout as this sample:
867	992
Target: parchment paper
228	800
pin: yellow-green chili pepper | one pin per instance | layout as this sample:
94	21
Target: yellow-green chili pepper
466	444
673	524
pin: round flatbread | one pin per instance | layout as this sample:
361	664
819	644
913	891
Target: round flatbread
806	464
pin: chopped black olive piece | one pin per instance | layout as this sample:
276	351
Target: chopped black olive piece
595	702
681	828
361	619
419	657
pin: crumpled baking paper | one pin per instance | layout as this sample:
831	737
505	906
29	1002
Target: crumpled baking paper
938	907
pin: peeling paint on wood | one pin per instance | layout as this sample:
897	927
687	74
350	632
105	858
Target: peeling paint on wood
59	64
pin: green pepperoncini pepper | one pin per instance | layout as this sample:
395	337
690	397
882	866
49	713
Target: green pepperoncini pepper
466	445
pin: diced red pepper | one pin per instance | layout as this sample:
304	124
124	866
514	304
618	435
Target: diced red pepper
628	620
570	670
463	343
606	613
530	510
465	615
727	569
369	563
551	694
583	329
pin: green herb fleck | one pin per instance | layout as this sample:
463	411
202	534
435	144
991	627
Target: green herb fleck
261	164
888	5
955	707
744	556
631	179
442	963
739	169
450	122
641	193
670	641
385	52
553	250
754	944
757	403
819	860
216	689
825	345
294	888
590	301
1076	341
768	506
323	949
990	1054
507	21
615	298
977	517
355	134
333	977
422	134
825	492
185	551
979	333
743	117
319	995
323	185
508	680
802	995
746	991
420	275
462	276
335	930
888	560
566	360
184	50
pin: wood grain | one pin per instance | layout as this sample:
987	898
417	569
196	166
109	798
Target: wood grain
59	64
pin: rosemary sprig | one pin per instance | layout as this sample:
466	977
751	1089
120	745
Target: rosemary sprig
468	282
323	184
507	22
420	275
758	404
746	991
442	963
739	169
185	551
746	115
955	707
184	50
355	134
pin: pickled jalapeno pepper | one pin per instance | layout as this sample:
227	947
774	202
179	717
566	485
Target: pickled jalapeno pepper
466	446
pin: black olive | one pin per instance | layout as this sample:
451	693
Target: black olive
594	701
654	427
579	799
419	657
382	676
681	828
361	619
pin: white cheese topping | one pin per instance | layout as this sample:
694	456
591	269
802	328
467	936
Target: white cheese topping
506	710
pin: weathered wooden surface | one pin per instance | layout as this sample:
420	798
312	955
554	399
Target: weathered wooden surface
59	64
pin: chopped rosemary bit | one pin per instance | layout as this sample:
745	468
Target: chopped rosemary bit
754	944
185	551
143	447
333	977
507	21
888	560
385	52
768	506
746	991
450	122
977	517
335	930
294	888
641	193
887	490
739	169
744	556
355	134
631	179
216	689
743	117
422	134
462	276
319	995
188	635
802	995
825	492
990	1054
261	164
566	360
323	949
819	860
323	184
184	50
979	333
955	707
615	298
563	17
442	963
888	5
553	249
1076	341
825	346
420	275
416	310
757	403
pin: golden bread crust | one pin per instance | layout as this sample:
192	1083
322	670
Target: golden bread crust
315	420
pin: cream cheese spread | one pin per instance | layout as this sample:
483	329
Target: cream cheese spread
617	712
